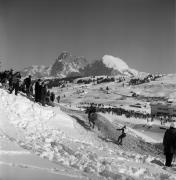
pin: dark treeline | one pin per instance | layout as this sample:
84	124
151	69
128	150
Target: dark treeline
60	82
148	78
96	80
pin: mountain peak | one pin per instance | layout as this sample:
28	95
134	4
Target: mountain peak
68	65
64	55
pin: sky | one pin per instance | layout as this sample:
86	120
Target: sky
141	32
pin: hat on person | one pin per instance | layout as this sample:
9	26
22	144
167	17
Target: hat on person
173	124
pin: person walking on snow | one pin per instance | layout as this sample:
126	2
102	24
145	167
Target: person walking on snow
120	138
169	143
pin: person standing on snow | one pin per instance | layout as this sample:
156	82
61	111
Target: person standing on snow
43	93
37	91
15	83
10	78
52	97
58	99
120	138
169	143
48	97
28	83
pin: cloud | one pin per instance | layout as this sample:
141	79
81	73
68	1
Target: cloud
115	63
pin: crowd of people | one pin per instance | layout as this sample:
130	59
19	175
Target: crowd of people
118	111
36	89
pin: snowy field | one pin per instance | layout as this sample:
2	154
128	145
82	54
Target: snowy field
60	144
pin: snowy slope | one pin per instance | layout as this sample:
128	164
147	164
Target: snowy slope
52	134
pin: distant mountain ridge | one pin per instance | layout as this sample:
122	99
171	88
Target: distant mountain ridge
36	71
67	65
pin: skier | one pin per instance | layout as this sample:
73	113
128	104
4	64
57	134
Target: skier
169	143
123	129
92	115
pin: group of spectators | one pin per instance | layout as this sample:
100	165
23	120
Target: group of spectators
32	88
42	94
118	111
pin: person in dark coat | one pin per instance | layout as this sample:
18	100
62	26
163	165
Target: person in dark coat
47	99
37	90
28	83
58	99
120	138
52	97
43	93
40	92
15	83
10	78
91	109
92	116
169	143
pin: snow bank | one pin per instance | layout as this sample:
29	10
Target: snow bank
21	111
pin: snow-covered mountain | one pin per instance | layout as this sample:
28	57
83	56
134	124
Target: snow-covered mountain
68	65
37	71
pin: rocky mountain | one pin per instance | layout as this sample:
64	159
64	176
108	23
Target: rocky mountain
67	65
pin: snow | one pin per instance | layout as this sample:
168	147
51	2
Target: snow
23	108
52	134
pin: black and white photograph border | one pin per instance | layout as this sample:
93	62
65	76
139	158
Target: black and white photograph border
87	90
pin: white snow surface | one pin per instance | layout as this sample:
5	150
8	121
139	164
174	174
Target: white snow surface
52	134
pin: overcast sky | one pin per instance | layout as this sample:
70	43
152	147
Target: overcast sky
141	32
